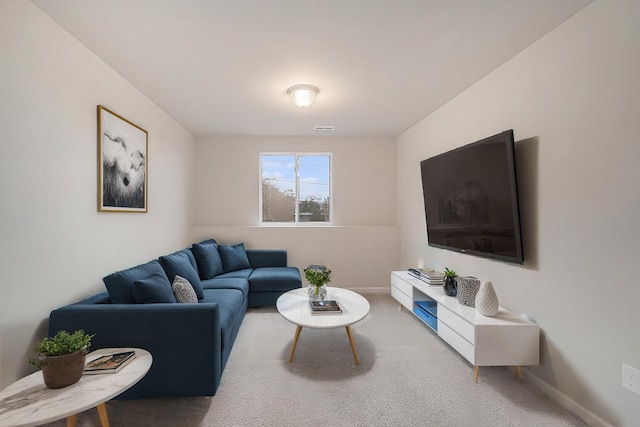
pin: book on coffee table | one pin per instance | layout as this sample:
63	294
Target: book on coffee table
109	363
325	307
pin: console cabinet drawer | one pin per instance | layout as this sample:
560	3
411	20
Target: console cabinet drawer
461	345
402	298
465	329
401	285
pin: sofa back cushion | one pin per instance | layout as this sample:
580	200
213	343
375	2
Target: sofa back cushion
208	259
182	263
234	257
155	289
120	284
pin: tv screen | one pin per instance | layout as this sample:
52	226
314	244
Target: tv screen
471	199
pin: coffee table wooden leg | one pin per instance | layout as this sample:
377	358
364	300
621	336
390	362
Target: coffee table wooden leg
295	342
102	413
353	345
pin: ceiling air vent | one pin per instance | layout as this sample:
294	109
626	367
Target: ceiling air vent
325	128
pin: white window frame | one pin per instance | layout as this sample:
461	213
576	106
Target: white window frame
297	222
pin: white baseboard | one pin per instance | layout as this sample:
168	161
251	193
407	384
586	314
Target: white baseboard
372	290
566	402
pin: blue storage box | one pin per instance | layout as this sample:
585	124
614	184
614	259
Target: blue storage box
426	317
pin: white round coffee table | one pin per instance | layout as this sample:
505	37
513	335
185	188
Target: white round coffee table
28	402
294	306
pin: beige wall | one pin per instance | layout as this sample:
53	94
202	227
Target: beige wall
363	171
573	100
361	246
55	246
360	257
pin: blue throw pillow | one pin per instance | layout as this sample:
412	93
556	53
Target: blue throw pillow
120	284
208	259
234	257
182	263
155	289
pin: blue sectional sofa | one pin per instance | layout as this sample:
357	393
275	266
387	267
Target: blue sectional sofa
189	333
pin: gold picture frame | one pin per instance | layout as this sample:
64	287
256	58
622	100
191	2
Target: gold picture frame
122	164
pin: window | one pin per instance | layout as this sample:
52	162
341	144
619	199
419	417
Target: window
295	187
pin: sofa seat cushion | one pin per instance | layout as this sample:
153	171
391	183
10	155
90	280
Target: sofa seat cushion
239	274
231	302
227	283
267	279
120	284
182	263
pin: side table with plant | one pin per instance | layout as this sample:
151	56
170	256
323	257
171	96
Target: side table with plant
318	276
62	357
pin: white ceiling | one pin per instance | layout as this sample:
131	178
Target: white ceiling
222	67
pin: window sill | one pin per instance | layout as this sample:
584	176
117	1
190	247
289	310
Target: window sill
295	224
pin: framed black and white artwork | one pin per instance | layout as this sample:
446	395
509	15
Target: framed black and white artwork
122	164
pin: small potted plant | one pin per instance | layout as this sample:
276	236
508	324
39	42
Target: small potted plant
450	283
318	276
62	357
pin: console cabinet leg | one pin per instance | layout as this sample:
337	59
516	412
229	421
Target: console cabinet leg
519	371
475	373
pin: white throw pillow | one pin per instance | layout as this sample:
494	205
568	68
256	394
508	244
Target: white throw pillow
183	291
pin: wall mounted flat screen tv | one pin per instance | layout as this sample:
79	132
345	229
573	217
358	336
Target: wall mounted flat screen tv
471	199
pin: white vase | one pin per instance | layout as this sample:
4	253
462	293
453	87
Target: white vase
486	300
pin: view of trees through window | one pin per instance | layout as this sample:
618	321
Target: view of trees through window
295	187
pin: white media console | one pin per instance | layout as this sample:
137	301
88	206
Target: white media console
503	340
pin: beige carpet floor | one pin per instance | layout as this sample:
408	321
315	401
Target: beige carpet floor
407	377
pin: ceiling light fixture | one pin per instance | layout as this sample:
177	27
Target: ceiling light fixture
302	95
324	128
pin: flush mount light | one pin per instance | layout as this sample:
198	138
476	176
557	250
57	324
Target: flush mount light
302	95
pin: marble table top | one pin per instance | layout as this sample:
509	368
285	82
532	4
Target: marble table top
28	402
294	306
